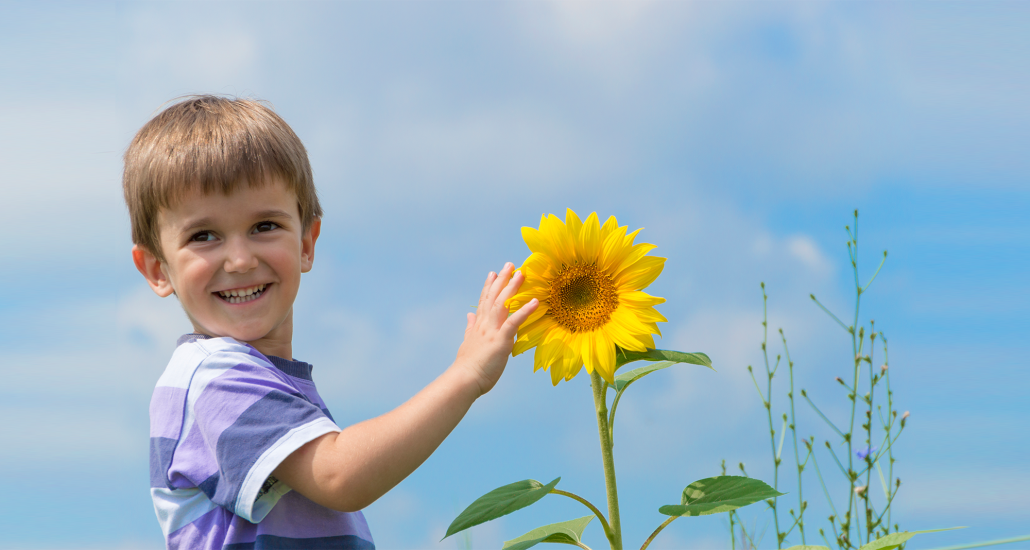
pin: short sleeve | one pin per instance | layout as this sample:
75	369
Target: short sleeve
243	418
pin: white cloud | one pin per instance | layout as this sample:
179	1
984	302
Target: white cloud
49	434
62	172
476	149
807	251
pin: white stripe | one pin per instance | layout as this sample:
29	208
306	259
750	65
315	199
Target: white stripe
177	508
247	505
184	361
219	355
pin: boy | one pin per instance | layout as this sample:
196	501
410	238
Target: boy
243	452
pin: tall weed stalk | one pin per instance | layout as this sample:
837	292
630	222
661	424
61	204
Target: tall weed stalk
862	515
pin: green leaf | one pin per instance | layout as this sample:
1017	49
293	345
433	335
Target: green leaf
500	502
628	377
719	494
623	356
894	540
565	532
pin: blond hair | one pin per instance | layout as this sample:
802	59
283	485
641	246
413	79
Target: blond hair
211	144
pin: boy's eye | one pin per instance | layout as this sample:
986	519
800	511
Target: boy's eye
265	226
203	236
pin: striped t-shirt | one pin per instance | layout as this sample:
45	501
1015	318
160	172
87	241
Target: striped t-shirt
222	418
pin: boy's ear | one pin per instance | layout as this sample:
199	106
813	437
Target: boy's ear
307	245
151	268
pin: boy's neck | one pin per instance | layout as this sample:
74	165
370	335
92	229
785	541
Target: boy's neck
270	345
278	342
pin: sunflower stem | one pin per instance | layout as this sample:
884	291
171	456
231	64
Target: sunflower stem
601	407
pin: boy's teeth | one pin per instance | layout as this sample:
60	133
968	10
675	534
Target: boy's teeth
243	294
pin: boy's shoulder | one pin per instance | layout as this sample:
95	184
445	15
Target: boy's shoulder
194	352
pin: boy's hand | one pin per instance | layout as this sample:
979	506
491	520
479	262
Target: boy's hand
349	470
491	331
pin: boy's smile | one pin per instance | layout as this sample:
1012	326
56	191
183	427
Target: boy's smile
234	261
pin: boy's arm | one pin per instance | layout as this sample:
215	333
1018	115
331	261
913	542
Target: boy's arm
349	470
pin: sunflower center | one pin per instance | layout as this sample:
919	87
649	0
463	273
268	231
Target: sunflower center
582	298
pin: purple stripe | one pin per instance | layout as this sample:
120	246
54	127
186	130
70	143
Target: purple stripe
226	397
161	452
194	461
294	516
218	408
241	531
205	533
166	411
255	431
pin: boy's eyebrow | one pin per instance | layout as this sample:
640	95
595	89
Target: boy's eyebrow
195	224
272	214
202	222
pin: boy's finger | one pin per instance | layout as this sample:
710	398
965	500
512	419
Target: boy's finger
500	281
490	277
512	287
516	319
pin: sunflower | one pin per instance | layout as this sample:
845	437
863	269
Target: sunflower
589	279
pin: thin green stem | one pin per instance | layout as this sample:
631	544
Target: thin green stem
886	508
656	531
883	483
873	278
821	415
783	435
828	312
585	502
821	482
600	388
869	431
794	436
750	538
839	465
855	343
768	411
764	403
825	539
611	414
891	416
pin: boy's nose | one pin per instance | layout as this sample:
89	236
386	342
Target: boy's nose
239	258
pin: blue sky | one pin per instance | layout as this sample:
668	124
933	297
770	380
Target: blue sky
740	135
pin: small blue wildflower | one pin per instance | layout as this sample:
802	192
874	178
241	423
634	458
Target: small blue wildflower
863	453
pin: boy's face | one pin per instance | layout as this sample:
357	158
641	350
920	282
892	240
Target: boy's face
234	261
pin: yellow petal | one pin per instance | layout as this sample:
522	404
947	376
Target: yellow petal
610	225
632	257
586	346
573	224
547	354
642	274
637	298
539	243
626	330
531	334
558	233
590	239
605	350
612	249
